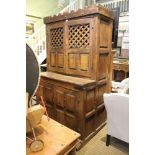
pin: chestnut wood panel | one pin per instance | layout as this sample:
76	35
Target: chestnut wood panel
90	101
59	97
50	110
60	116
48	93
100	116
71	101
105	34
90	125
101	90
103	66
71	121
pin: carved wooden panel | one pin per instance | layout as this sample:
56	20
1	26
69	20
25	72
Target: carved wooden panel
72	61
60	60
105	35
60	117
53	59
56	38
101	116
84	62
48	93
101	90
55	47
89	125
90	101
79	51
103	65
71	101
79	36
71	121
59	97
50	110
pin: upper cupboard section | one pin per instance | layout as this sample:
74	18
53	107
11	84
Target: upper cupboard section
79	43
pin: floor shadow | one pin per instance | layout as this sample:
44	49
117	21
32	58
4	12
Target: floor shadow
118	144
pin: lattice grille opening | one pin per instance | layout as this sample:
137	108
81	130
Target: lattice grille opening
56	36
79	36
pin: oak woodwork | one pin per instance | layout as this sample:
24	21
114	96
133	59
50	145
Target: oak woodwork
74	102
80	44
78	68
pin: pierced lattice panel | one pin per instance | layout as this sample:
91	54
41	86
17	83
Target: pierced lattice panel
79	36
56	36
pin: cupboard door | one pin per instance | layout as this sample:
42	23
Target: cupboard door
66	107
59	101
79	47
55	47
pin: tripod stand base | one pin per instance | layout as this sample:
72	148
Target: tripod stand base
36	145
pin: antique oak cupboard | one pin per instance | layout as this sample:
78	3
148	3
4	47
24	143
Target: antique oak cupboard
78	68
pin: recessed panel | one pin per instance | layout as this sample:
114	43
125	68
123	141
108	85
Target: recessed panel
89	125
70	102
48	94
103	66
53	59
84	62
72	58
59	98
101	117
104	34
60	116
50	110
101	91
60	60
90	101
70	121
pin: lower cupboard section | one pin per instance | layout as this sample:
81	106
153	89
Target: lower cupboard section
81	109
